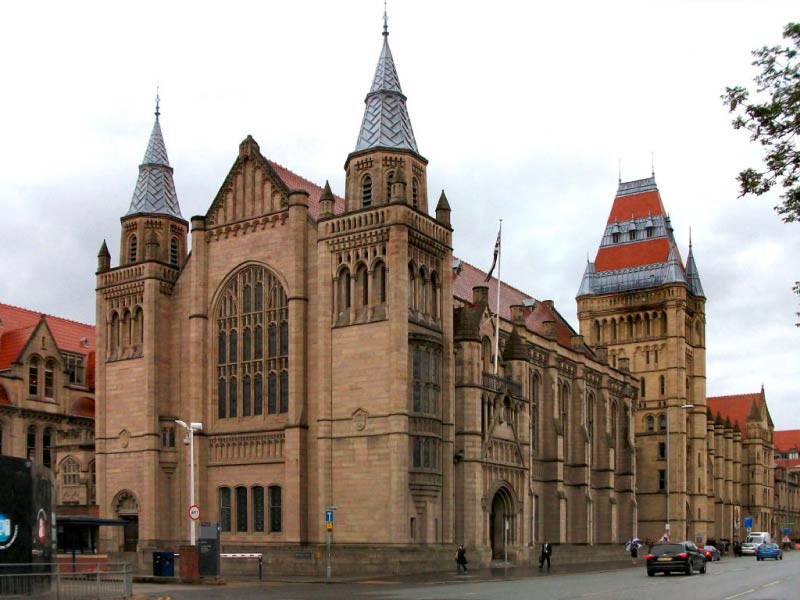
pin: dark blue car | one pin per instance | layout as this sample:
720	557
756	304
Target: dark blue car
769	551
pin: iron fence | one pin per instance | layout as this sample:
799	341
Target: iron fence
103	581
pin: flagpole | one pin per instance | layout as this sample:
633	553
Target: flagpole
497	313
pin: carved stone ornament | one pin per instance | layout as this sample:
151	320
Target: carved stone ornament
124	438
360	417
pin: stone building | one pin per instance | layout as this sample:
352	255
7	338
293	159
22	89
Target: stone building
787	482
47	410
705	463
337	354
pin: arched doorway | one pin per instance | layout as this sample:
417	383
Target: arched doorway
126	507
501	516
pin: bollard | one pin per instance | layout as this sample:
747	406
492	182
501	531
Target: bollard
260	568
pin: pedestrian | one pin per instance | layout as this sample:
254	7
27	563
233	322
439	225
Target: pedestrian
634	553
544	555
461	559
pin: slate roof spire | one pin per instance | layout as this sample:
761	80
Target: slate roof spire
155	189
386	123
692	274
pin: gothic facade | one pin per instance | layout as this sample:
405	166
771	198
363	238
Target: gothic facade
705	463
338	355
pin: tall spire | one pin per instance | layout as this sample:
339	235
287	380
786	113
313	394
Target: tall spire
386	123
692	274
155	189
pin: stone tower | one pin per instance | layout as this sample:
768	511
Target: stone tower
390	309
640	302
133	300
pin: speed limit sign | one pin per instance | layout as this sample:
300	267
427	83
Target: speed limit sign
194	512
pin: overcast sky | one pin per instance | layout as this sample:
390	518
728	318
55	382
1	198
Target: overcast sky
524	110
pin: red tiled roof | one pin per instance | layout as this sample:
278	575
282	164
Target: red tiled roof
295	182
636	254
4	396
636	206
470	277
18	324
787	440
788	462
736	408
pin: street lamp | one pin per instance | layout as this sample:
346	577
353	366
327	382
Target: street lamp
191	428
668	467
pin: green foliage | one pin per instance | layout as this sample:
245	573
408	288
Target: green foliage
773	121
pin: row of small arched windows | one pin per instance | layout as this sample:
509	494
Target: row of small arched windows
424	291
134	252
632	327
368	193
362	289
125	330
243	510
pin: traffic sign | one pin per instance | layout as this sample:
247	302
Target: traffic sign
748	522
329	516
194	512
786	531
329	526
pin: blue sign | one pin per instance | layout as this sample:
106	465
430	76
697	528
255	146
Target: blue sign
329	516
5	528
786	531
748	522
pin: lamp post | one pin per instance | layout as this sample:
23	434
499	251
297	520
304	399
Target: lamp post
191	428
667	527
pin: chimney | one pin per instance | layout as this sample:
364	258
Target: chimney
602	354
578	344
518	314
625	365
480	294
549	329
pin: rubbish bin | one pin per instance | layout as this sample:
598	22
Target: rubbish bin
163	564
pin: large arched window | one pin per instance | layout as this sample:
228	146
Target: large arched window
252	305
422	291
434	295
379	283
275	509
31	442
563	401
47	448
535	384
362	285
590	425
138	326
49	378
412	288
343	295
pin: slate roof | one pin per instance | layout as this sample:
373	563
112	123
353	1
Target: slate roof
466	276
155	189
19	323
736	407
386	123
648	260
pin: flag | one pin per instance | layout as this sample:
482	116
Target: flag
494	259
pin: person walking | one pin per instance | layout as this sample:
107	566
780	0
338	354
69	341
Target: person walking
461	559
634	553
544	555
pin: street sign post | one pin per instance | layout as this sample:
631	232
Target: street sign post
329	516
194	512
748	523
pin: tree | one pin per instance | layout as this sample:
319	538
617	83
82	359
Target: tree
773	122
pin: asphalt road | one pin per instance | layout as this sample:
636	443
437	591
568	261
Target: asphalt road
728	579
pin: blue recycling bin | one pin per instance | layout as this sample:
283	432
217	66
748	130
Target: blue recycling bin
163	564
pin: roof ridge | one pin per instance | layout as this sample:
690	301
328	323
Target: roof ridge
524	293
35	312
277	164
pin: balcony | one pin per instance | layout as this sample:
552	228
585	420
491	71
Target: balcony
500	384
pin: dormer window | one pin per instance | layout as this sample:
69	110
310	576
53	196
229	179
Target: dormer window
650	230
615	238
366	191
632	235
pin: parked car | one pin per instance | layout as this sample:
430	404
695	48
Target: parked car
769	551
711	553
675	557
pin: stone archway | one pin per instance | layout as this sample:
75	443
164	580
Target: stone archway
126	507
502	514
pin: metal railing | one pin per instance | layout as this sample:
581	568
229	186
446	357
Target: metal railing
499	384
104	581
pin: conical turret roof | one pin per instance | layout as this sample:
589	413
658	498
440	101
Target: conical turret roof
155	189
386	123
693	276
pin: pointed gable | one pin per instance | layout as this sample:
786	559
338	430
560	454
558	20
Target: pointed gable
256	186
19	324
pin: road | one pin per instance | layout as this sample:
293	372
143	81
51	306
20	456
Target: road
728	579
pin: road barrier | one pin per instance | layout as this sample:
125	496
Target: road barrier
108	581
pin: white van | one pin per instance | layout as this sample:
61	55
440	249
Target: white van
753	540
